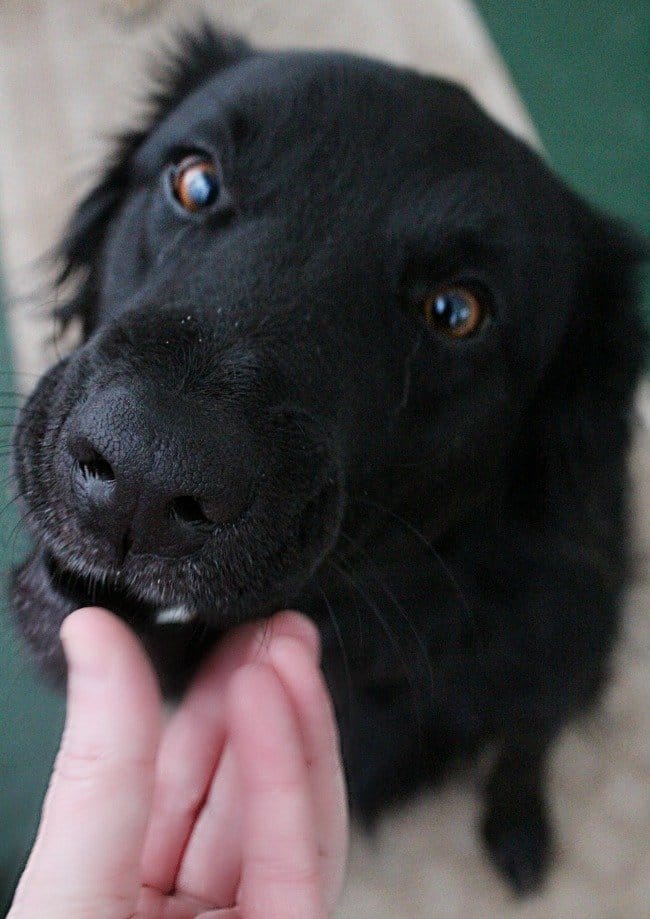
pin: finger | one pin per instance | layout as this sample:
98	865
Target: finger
292	624
305	686
280	877
188	761
87	853
217	830
212	859
156	905
191	747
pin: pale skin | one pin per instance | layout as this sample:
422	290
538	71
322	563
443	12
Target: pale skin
235	809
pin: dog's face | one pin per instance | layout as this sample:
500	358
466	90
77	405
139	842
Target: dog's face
314	283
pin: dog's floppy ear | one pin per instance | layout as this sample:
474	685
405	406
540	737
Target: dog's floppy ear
579	438
196	56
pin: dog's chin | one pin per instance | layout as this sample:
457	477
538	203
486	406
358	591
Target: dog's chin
44	593
176	625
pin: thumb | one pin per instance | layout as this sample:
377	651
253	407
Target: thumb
86	859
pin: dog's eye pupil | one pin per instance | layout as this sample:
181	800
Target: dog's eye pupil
195	183
453	310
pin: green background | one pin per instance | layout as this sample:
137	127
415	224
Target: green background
582	69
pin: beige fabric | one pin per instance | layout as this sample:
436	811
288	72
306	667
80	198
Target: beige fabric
69	72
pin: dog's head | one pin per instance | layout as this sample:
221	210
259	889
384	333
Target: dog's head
311	284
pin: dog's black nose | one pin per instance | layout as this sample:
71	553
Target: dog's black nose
154	479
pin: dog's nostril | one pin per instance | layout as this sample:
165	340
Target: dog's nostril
188	510
93	466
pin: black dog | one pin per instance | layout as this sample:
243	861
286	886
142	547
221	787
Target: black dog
352	348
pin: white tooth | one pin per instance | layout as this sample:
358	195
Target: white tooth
173	614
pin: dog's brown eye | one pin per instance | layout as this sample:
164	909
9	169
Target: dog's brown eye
195	183
455	311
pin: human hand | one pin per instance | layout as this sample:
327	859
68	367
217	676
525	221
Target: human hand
236	810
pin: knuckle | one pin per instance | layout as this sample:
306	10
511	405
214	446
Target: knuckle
92	762
74	765
282	787
281	871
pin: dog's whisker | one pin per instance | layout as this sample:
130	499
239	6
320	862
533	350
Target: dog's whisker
7	481
17	529
12	501
341	644
427	544
424	651
344	571
475	645
162	255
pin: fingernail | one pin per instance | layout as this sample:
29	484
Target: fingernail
303	629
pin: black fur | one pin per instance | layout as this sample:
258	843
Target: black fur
451	513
